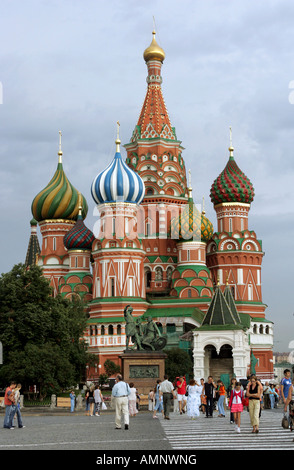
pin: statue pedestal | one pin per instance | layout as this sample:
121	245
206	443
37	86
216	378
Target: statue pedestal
143	368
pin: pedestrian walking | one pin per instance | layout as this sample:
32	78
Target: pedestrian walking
290	402
158	400
253	392
72	397
9	402
167	390
87	401
236	405
285	385
133	400
15	411
91	400
202	397
208	390
181	387
221	399
98	400
120	393
272	395
194	400
266	398
229	391
151	400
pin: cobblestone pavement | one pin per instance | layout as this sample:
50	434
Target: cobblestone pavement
76	431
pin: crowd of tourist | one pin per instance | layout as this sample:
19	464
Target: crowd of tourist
208	396
199	396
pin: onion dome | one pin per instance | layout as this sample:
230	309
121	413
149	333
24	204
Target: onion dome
206	227
188	225
154	52
118	183
232	185
59	199
79	237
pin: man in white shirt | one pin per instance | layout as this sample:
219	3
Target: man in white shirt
120	392
166	389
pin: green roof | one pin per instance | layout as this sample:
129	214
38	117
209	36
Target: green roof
193	312
219	312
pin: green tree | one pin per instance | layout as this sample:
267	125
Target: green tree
111	368
178	362
41	335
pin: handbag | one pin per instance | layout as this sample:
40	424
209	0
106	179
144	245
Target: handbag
285	422
104	407
245	401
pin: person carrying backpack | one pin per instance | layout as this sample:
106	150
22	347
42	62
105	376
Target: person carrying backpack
236	404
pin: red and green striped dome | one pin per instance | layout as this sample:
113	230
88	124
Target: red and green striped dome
232	185
79	237
59	199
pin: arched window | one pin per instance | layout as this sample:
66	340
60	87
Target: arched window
254	329
118	330
267	330
147	277
102	330
261	329
110	330
158	274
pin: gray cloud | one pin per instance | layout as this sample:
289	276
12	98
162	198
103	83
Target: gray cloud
78	67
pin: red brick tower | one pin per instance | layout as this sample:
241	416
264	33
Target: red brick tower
155	153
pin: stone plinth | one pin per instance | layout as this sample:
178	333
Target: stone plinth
143	368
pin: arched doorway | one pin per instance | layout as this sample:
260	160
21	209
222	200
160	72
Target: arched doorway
219	365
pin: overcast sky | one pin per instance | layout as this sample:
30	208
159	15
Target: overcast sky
77	66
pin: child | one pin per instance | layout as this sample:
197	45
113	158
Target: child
236	404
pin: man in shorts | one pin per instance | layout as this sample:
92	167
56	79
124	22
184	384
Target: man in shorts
181	389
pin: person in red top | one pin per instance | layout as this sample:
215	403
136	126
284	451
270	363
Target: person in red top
181	389
9	402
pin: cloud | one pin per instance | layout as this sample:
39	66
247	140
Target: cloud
79	67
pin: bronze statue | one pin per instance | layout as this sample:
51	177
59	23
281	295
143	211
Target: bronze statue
144	337
131	328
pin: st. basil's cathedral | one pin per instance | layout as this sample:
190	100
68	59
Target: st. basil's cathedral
157	251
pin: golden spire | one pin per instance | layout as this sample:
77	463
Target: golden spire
60	151
203	208
231	148
154	52
117	138
190	186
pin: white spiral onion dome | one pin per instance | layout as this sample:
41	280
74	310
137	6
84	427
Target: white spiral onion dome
118	183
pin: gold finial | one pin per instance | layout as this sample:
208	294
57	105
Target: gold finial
154	51
80	202
60	151
117	137
231	148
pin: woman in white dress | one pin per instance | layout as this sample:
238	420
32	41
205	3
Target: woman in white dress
194	400
133	400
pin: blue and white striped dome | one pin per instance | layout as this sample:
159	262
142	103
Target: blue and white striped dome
118	183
